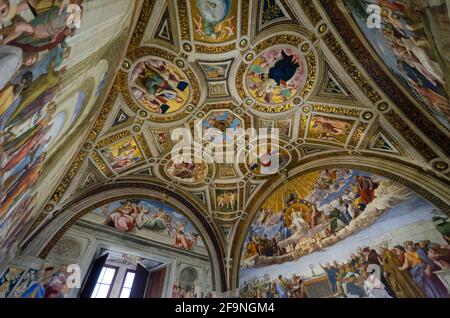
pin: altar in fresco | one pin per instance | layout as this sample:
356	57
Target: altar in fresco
338	226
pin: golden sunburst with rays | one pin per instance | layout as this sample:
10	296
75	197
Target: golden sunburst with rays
300	186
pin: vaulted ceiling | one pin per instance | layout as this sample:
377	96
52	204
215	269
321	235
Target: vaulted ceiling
333	97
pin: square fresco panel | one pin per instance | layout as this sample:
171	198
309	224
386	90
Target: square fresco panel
123	154
329	129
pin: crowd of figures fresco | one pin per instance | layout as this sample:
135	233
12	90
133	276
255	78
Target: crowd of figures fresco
150	217
180	292
48	282
404	46
335	230
33	51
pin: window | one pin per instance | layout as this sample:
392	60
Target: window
104	282
127	284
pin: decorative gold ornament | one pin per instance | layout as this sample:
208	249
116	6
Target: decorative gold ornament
323	28
440	165
187	47
126	65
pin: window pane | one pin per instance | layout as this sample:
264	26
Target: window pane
103	291
129	280
125	293
94	293
102	274
109	275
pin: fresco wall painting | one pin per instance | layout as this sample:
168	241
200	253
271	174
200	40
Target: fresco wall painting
328	234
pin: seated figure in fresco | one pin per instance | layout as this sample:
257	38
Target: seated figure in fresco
125	218
12	93
158	222
351	285
366	189
253	246
298	223
285	231
47	24
182	239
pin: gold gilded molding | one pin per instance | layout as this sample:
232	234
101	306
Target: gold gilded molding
273	109
104	112
351	68
278	39
356	137
245	9
402	127
111	139
138	33
337	110
195	98
122	87
303	125
65	182
101	164
311	59
310	10
141	140
154	51
240	80
183	19
215	49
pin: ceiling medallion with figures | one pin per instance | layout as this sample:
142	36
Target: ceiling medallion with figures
158	86
277	74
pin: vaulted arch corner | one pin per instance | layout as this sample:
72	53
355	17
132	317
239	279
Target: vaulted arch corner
190	148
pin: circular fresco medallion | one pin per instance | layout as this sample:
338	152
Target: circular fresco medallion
159	86
267	160
187	169
276	75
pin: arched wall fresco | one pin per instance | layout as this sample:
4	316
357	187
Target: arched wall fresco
42	241
325	230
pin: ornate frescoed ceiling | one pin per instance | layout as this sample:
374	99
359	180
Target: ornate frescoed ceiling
304	67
